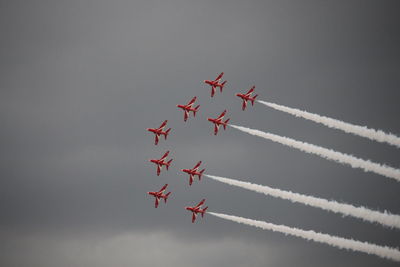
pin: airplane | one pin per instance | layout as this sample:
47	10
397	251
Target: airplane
216	83
193	172
197	209
218	122
161	162
160	195
188	107
159	131
247	97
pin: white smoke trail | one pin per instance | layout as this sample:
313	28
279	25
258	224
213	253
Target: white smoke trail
354	162
376	135
345	209
339	242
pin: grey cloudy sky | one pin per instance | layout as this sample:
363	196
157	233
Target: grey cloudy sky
82	80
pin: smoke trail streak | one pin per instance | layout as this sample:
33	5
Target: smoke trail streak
354	162
339	242
376	135
345	209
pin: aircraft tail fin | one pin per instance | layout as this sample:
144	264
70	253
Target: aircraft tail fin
166	197
201	173
166	133
168	163
204	210
222	86
252	100
225	123
195	110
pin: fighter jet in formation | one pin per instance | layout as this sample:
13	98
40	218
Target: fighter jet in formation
197	209
189	107
216	83
247	97
159	131
160	195
193	172
161	162
218	122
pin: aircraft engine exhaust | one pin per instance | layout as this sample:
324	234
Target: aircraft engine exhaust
363	131
334	241
363	213
330	154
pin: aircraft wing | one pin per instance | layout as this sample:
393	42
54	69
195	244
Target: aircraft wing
219	76
156	203
163	125
193	217
185	115
158	170
216	127
200	203
165	155
250	91
156	139
163	188
244	105
213	88
222	115
191	101
197	165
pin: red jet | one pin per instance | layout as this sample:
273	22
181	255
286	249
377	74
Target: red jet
247	97
160	195
197	209
216	83
193	172
161	162
188	107
218	122
159	131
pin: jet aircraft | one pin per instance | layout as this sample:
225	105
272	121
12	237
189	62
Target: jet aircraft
197	209
161	162
216	83
159	131
193	172
247	97
189	107
160	195
218	122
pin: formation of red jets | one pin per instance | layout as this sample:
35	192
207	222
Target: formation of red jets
219	121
